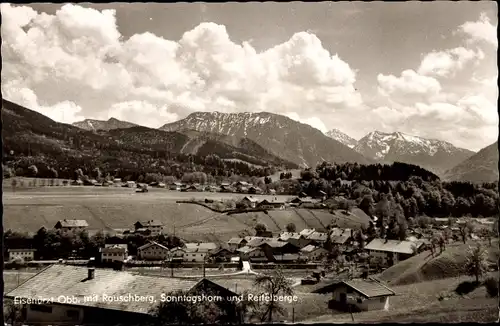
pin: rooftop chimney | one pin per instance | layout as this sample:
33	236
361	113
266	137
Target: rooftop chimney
91	275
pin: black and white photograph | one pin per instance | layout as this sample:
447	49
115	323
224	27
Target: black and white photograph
249	163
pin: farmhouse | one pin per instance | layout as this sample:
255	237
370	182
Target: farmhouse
25	254
177	254
153	251
276	203
301	242
226	188
392	251
154	227
313	253
247	252
131	184
297	201
249	201
235	243
70	225
358	295
104	287
115	252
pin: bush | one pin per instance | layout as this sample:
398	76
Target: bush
466	287
491	285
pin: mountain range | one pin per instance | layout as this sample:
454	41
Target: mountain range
282	136
434	155
260	139
27	133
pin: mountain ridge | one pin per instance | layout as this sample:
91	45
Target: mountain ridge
480	167
284	137
436	155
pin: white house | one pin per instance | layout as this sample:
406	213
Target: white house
250	201
177	254
391	252
235	243
198	251
25	254
153	251
313	253
114	252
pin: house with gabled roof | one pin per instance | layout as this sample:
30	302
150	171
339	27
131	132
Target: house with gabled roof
249	201
358	294
313	253
154	227
247	252
391	252
153	251
306	232
99	295
71	225
318	237
235	243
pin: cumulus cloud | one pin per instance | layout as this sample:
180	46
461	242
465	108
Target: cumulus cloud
79	55
480	31
408	84
447	63
312	121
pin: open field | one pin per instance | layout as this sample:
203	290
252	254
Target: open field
119	208
424	267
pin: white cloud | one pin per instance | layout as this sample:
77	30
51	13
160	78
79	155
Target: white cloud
447	63
79	55
65	111
314	122
480	31
410	83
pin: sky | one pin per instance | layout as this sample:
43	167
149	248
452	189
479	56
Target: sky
425	69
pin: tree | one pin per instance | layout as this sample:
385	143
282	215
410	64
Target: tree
466	230
366	205
260	229
476	263
274	285
423	221
290	227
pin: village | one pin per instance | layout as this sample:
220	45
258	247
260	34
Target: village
343	263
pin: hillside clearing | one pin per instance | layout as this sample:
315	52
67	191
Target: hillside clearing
424	267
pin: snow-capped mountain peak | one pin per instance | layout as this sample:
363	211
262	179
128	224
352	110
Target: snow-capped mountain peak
342	137
398	146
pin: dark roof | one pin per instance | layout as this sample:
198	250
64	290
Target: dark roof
21	250
72	223
66	280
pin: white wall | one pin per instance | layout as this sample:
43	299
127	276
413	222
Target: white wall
194	256
26	255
